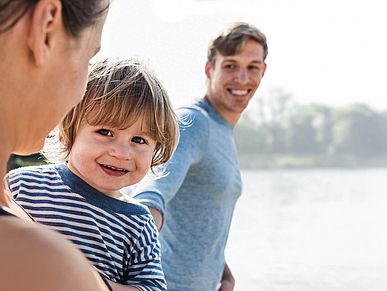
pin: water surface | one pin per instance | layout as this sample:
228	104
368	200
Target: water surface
310	230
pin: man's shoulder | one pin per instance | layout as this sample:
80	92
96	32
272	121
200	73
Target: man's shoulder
193	118
196	108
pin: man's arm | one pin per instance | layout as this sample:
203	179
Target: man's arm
227	282
193	142
158	217
121	287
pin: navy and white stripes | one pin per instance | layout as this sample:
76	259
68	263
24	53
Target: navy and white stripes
118	237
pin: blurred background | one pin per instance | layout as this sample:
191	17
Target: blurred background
313	143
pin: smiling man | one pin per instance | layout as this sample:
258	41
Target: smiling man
195	201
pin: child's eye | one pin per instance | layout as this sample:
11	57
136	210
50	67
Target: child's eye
138	139
105	132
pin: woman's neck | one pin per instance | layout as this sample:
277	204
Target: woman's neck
5	152
4	200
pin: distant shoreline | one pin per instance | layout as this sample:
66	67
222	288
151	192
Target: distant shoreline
278	161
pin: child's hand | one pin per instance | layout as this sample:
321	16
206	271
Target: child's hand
122	287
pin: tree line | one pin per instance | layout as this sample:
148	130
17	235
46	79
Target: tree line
280	133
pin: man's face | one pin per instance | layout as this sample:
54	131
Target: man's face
233	80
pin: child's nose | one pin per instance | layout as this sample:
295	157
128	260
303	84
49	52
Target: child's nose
121	150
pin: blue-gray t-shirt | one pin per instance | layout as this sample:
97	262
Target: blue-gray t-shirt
197	196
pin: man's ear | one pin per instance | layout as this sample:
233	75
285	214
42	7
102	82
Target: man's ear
264	70
46	23
208	70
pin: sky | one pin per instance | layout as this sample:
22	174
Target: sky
331	52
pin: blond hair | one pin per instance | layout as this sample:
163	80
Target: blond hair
119	92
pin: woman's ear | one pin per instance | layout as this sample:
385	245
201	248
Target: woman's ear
46	23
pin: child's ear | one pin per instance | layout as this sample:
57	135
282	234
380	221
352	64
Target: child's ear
208	70
46	27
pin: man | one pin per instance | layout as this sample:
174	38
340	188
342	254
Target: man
196	197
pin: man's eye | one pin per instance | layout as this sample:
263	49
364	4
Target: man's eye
105	132
230	66
255	68
138	139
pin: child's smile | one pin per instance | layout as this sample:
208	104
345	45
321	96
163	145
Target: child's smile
108	158
113	171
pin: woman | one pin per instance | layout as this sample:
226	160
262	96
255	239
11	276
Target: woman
45	47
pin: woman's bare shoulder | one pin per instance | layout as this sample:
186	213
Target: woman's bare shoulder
35	258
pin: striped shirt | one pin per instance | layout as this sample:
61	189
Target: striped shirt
120	238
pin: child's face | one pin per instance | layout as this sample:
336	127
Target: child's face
109	159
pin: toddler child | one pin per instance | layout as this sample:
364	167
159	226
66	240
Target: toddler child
123	127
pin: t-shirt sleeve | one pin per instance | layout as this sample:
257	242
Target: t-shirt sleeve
144	258
13	181
193	141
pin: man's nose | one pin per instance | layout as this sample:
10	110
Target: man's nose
242	76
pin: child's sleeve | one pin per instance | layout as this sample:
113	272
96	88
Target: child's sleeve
144	269
12	183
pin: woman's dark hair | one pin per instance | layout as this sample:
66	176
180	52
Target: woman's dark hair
77	15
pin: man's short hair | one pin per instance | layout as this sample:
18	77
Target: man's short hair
233	38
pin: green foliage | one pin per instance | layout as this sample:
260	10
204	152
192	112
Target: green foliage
358	130
312	136
16	161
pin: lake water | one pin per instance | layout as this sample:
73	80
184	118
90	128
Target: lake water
310	230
